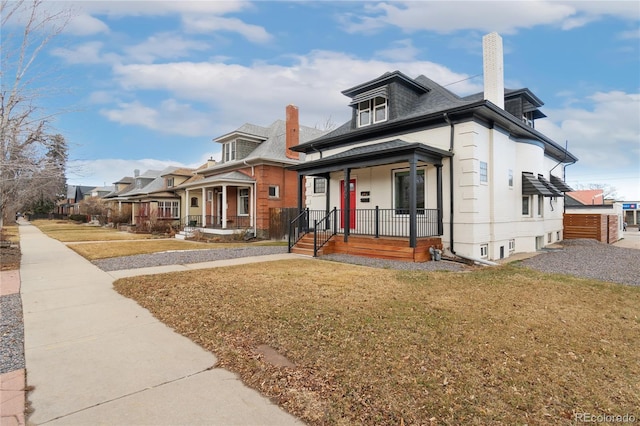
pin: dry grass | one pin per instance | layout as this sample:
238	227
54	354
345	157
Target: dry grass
10	256
496	346
66	231
95	251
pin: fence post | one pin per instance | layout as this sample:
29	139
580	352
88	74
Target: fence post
335	220
377	222
315	238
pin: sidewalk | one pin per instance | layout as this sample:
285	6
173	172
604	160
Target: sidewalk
96	357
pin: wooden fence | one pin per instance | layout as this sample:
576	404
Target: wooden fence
601	227
279	219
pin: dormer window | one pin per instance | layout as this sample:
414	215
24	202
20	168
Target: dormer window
372	111
229	151
170	182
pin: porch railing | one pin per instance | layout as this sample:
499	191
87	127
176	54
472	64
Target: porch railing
379	222
374	222
298	227
324	229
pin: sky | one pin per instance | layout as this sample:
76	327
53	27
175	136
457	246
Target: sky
146	84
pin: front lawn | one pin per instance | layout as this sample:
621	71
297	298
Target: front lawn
67	231
499	345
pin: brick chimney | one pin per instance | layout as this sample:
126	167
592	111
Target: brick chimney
493	66
293	131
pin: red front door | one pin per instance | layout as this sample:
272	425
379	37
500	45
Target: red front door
352	203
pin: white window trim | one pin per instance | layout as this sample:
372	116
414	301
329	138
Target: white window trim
484	251
371	109
277	188
173	206
540	206
486	175
240	201
324	187
530	198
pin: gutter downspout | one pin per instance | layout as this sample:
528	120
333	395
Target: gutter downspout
451	136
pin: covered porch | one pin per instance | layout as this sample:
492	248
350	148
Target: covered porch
222	204
389	191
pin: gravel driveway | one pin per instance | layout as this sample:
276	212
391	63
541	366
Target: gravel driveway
590	259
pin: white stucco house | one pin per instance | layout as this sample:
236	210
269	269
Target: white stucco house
420	165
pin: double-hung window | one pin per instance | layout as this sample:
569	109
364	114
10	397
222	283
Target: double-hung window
401	194
229	149
372	111
243	202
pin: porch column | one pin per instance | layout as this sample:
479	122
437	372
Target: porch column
300	190
413	202
204	207
224	206
327	192
186	207
439	197
253	209
346	213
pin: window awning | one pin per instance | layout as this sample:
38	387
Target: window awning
555	191
370	94
559	183
532	186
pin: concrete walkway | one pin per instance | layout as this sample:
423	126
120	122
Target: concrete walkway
96	357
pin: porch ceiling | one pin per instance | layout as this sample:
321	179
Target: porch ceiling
391	152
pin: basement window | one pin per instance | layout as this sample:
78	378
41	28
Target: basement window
484	251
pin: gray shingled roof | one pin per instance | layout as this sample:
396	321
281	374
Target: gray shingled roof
156	182
438	99
272	149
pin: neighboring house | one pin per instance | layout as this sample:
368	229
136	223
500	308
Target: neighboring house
152	197
100	191
71	203
585	197
417	162
589	215
113	203
236	194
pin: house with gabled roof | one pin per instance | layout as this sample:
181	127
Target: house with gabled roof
418	169
152	196
236	194
71	203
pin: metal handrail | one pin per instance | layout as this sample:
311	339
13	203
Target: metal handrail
323	230
298	227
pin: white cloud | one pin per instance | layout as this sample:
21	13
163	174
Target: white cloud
210	24
169	117
603	137
401	50
260	92
630	34
505	17
105	172
83	25
163	46
86	53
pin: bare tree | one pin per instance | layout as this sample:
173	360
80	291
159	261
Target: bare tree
25	145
